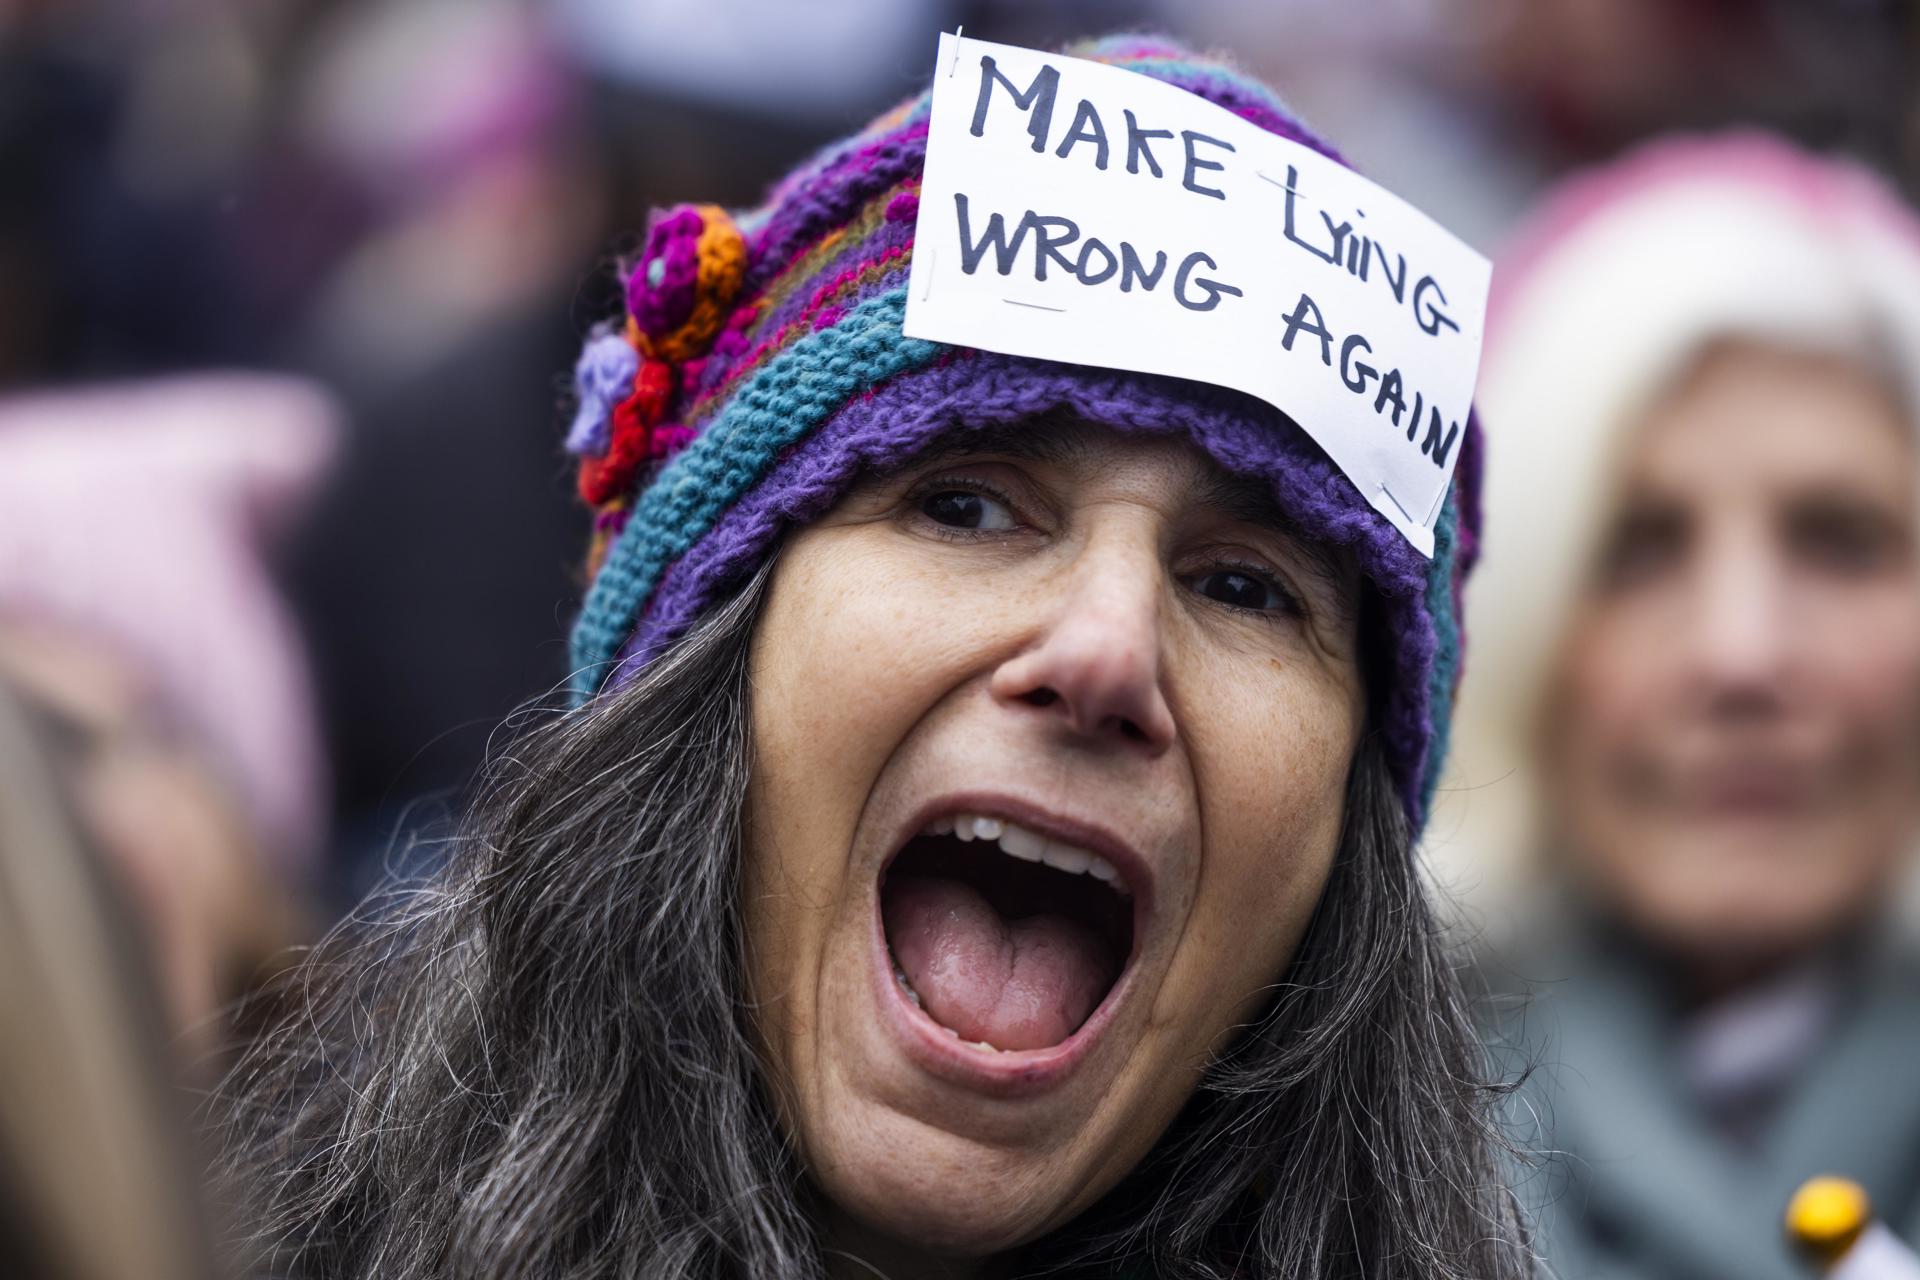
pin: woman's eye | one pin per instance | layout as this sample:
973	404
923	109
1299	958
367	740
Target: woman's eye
963	509
1847	542
1241	591
1642	546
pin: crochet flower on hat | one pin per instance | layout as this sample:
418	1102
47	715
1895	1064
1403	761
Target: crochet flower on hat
679	296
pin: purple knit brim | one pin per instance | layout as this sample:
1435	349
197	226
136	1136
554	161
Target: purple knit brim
892	424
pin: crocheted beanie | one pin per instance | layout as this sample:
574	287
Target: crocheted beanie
761	368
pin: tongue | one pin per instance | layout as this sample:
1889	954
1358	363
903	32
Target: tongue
1016	984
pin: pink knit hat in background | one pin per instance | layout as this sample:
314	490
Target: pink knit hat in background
140	514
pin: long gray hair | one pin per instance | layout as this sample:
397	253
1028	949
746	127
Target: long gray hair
540	1065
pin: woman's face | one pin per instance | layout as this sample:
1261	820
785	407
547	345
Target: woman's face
1051	740
1736	744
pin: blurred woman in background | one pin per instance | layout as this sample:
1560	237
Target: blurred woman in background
1699	695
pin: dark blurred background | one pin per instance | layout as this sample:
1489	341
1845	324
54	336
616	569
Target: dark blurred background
414	203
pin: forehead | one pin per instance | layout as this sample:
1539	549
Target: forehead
1753	420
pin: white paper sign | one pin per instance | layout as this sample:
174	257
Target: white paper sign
1080	212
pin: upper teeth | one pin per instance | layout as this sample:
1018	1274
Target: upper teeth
1028	846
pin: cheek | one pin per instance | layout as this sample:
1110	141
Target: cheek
1868	682
1613	682
1271	772
1616	699
813	681
840	674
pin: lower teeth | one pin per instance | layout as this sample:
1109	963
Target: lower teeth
900	976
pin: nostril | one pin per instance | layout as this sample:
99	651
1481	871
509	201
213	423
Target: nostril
1041	697
1132	731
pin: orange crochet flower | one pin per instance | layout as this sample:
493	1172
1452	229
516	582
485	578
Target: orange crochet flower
685	281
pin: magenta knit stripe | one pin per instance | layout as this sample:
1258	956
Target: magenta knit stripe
830	197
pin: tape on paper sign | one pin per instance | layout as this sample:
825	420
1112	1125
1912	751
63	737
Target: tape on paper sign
1081	212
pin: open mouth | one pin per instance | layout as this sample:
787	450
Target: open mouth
1004	937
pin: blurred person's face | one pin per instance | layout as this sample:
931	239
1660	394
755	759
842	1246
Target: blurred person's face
1736	740
1051	749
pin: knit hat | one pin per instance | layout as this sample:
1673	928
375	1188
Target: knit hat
761	368
1621	278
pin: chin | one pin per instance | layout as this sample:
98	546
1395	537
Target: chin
939	1192
1737	927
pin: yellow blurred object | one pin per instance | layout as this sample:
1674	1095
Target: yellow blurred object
1827	1214
1831	1220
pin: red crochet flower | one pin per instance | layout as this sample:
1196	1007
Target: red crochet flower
610	476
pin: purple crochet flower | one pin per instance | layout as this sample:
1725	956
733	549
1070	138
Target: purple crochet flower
662	289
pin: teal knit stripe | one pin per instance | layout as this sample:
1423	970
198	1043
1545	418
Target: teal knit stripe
781	404
1446	648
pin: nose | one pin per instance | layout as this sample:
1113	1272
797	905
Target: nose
1095	666
1740	635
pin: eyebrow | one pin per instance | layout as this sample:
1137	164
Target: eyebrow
1031	439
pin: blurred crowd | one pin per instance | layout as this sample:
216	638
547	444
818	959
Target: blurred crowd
289	290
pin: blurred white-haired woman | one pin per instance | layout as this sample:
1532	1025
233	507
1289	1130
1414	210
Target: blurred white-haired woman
1696	709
